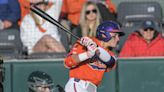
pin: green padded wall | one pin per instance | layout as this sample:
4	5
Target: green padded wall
16	78
109	82
7	77
141	75
131	75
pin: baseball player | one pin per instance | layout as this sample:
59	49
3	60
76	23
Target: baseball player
90	58
39	81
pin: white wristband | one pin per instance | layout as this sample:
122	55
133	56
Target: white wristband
83	56
104	55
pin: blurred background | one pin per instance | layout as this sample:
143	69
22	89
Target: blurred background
29	43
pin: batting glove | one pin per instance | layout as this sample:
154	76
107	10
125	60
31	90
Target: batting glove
92	47
85	41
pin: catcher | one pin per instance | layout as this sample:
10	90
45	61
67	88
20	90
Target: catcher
90	58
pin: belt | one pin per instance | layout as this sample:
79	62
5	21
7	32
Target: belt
76	79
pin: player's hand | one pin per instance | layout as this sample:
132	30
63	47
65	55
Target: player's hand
92	48
85	41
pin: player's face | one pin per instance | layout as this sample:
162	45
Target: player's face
91	12
43	89
113	41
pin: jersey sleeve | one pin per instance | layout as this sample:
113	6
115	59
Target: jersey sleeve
69	62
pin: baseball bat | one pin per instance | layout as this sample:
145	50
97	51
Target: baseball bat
47	17
53	21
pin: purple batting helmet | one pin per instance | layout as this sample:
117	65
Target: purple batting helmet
107	27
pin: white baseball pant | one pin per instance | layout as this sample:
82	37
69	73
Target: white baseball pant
77	85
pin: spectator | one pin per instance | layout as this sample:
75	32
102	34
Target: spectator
71	10
25	8
70	14
9	14
147	41
89	20
39	35
108	3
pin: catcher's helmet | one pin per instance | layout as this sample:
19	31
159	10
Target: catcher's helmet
39	79
107	27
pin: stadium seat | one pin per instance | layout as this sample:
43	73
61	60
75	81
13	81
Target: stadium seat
10	44
137	11
132	14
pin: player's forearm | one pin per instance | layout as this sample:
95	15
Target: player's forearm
106	58
74	59
81	57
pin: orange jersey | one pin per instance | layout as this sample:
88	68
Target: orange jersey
111	6
73	9
87	70
25	8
